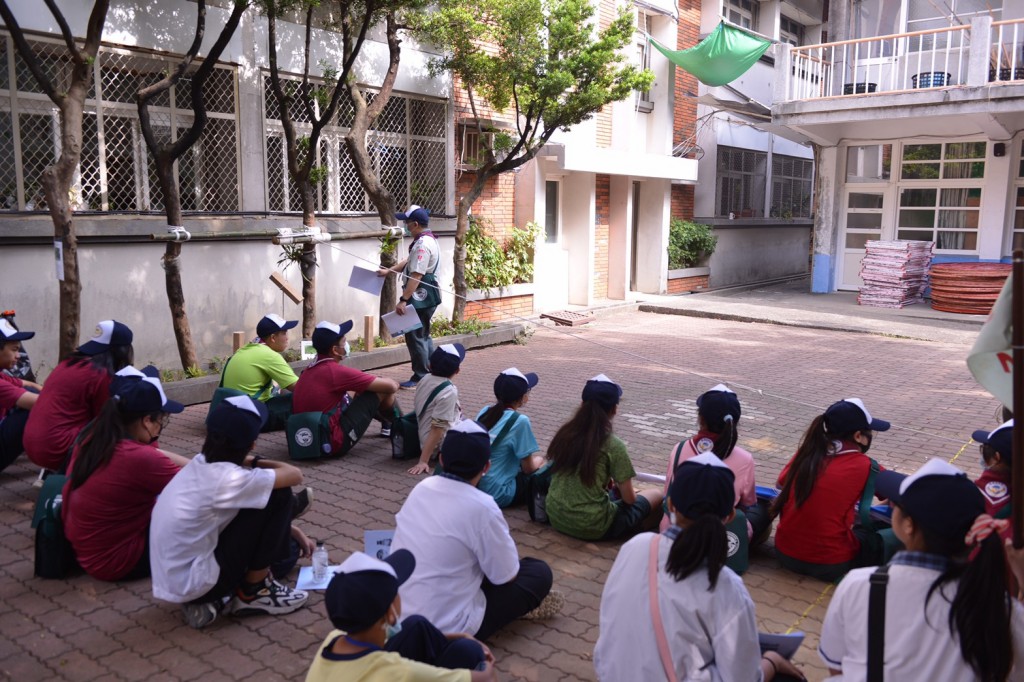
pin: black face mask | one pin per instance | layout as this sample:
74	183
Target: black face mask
864	447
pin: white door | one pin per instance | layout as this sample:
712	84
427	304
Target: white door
864	220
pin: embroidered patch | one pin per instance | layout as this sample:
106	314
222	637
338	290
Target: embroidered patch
996	489
704	445
734	542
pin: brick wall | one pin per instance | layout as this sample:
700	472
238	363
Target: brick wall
500	309
682	201
685	113
684	284
606	12
602	212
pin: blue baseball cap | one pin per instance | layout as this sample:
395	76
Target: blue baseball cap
108	333
1000	439
603	391
466	449
415	214
327	334
9	333
239	419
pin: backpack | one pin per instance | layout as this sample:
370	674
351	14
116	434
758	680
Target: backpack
54	554
405	429
221	392
309	434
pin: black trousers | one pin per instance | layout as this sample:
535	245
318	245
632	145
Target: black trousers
254	540
12	428
506	603
420	641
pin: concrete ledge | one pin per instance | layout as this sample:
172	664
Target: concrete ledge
200	390
522	289
689	272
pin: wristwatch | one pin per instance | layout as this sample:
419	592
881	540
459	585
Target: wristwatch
405	300
256	459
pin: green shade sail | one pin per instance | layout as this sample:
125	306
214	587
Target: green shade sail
725	55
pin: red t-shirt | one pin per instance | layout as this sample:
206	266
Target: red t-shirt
819	531
72	397
11	389
995	487
322	386
106	519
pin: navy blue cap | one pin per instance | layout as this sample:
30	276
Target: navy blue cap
271	324
466	449
415	214
703	485
447	358
1000	440
141	392
715	404
603	391
108	333
364	587
938	496
849	415
9	333
239	419
327	334
511	385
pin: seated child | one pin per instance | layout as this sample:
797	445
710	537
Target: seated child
15	401
116	474
513	445
259	370
223	520
370	643
997	458
436	404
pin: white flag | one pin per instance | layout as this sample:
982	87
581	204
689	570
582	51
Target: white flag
991	358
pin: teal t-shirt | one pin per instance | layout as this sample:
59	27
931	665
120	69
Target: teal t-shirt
586	512
500	481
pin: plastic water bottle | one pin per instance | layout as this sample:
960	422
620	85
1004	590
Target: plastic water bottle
320	561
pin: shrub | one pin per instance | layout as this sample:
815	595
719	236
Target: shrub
688	243
490	263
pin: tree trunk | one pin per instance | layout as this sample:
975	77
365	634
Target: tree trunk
461	228
171	263
307	264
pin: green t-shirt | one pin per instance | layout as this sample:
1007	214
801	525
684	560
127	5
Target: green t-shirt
586	512
253	365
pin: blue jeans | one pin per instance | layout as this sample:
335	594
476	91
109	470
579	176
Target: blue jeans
420	344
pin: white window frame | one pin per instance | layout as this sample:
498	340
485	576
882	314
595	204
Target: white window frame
743	13
1017	207
644	101
557	183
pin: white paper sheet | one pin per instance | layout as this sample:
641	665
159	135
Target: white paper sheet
306	582
378	542
400	324
366	280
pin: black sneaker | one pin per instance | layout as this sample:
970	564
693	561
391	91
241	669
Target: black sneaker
385	429
303	502
198	616
272	598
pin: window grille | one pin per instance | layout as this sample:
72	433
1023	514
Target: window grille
115	172
742	175
407	145
792	182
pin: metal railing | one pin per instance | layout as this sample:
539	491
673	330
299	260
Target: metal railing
976	54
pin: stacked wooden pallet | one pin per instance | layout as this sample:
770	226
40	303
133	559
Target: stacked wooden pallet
967	288
895	273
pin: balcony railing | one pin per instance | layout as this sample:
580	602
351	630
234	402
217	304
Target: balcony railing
976	54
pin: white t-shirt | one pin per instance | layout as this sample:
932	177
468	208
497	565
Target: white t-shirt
459	537
712	635
443	411
198	503
918	643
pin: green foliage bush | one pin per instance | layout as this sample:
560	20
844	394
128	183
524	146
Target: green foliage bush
442	327
688	243
490	263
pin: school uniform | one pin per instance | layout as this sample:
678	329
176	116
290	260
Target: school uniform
502	480
424	254
324	386
712	634
918	641
12	419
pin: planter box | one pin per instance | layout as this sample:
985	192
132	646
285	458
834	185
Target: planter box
688	279
497	305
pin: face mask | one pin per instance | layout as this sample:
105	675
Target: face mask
406	232
392	630
672	518
348	349
864	447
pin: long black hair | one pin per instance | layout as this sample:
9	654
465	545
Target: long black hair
577	445
981	611
111	361
97	445
725	429
492	415
704	541
807	464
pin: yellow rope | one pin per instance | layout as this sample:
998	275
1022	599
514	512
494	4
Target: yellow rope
824	593
957	455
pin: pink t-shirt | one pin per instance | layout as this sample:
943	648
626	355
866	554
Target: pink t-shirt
11	389
72	397
739	461
106	519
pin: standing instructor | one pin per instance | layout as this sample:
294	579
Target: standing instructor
419	288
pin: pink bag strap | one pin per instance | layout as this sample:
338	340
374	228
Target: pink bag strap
659	627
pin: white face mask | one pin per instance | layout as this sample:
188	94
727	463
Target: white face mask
348	349
672	518
392	630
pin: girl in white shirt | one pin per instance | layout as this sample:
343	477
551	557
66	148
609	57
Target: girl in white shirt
700	625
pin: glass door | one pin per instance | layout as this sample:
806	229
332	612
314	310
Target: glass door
864	218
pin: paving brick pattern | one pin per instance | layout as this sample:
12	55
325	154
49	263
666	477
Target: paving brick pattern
82	629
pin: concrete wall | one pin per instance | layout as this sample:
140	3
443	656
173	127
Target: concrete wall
747	254
226	289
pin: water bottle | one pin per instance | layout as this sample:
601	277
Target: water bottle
320	561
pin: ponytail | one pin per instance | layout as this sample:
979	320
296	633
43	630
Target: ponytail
727	437
980	614
492	414
577	444
97	444
806	465
702	541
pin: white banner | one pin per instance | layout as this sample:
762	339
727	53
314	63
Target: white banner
991	359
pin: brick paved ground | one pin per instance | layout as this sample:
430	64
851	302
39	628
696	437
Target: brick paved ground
84	629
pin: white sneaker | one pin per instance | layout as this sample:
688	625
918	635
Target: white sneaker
198	616
272	598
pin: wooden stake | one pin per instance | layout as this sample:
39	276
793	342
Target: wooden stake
237	340
368	334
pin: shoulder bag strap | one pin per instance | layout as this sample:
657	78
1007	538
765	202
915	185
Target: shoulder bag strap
433	395
222	371
659	626
505	429
263	388
868	495
876	624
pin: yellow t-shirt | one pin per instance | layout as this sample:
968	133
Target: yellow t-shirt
375	666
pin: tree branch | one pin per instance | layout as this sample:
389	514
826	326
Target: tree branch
307	100
283	101
28	55
65	30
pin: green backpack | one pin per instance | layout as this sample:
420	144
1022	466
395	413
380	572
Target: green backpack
405	429
309	434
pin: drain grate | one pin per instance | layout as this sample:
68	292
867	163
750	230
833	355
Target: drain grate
568	318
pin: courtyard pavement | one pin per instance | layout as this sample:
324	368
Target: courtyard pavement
82	629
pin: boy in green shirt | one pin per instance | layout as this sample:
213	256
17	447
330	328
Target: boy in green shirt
256	367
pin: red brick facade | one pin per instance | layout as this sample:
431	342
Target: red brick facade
500	309
684	284
602	211
685	114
